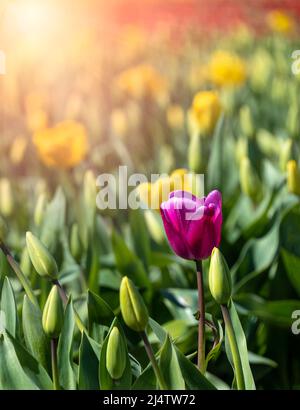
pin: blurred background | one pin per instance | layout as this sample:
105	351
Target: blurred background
126	70
91	85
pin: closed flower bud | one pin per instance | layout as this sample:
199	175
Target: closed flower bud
219	278
75	243
133	308
41	258
154	225
292	122
53	314
195	153
249	180
25	262
6	197
40	209
116	354
288	151
246	121
293	177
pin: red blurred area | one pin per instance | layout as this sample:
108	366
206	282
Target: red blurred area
206	14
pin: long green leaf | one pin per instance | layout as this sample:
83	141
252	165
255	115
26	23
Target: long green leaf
65	350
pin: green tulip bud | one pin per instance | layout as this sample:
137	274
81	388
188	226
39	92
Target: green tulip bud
288	151
6	197
75	243
219	278
249	180
292	121
293	177
53	314
268	143
25	262
116	354
39	211
41	258
133	308
246	121
195	153
154	225
241	149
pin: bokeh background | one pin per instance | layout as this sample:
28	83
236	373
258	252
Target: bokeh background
91	85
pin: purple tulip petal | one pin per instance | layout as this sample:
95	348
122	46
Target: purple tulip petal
193	225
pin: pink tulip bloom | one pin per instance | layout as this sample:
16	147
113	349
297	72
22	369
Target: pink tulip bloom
193	225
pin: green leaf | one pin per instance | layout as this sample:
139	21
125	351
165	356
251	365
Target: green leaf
256	256
36	341
169	366
89	353
65	351
106	382
147	380
277	312
8	307
98	311
292	266
18	369
140	236
289	231
242	347
193	378
128	263
222	172
214	352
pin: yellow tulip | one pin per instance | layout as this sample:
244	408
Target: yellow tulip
227	69
141	81
153	194
63	146
205	111
280	22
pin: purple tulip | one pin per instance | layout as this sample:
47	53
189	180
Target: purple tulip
193	225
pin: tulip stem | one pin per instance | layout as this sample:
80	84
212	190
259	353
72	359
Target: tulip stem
201	323
20	275
65	299
234	348
157	371
55	376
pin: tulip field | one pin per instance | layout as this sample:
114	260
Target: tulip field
149	195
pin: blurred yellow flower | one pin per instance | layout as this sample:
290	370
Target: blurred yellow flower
280	22
142	80
205	111
18	149
63	146
175	116
119	122
227	69
153	194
